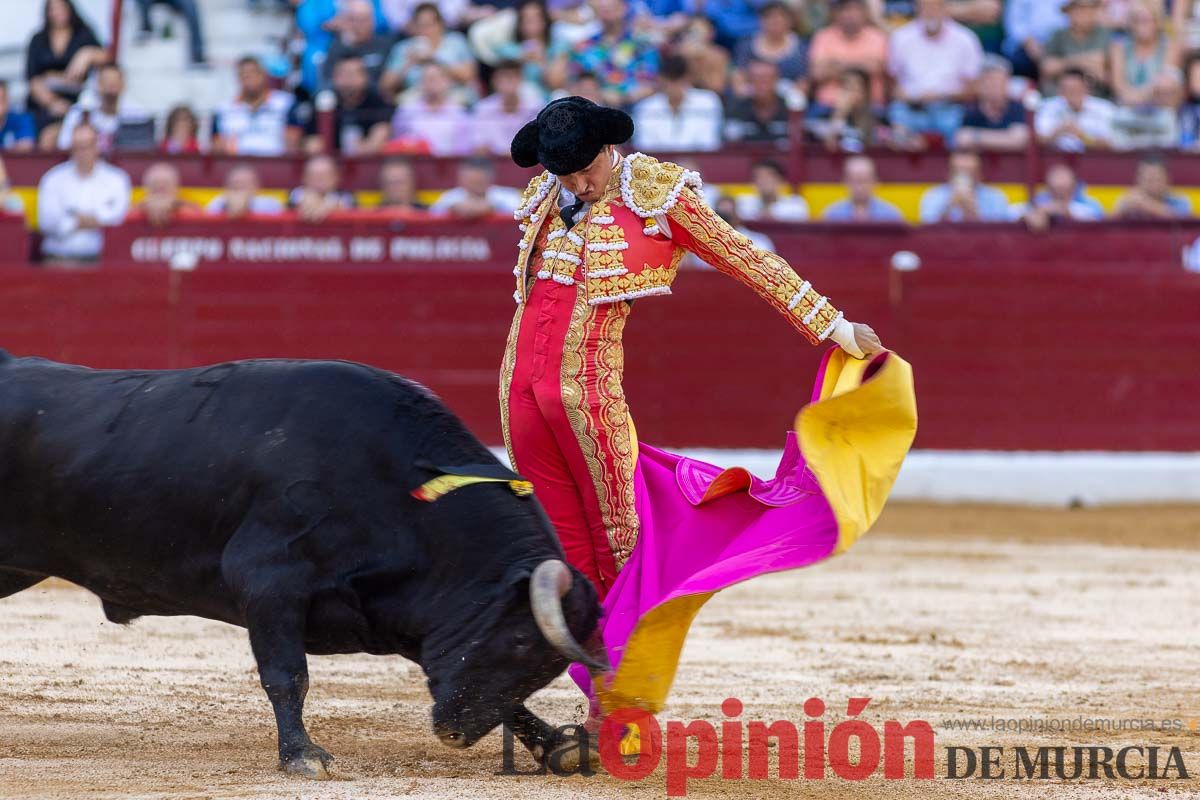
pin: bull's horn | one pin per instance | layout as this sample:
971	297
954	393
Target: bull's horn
551	580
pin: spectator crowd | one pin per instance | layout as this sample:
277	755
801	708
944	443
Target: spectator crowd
401	79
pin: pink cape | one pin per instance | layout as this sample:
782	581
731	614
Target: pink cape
704	529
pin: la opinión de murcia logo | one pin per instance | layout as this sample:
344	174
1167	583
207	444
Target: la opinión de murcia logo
852	750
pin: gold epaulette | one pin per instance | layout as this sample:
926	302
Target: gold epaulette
539	186
650	187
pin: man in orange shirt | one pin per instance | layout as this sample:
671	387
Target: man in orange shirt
849	42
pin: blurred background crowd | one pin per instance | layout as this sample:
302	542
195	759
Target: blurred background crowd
400	80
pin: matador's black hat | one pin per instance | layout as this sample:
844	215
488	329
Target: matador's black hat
568	134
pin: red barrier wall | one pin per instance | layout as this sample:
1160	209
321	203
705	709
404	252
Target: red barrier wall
1085	338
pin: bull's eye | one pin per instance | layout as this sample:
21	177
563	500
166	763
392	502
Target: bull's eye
522	642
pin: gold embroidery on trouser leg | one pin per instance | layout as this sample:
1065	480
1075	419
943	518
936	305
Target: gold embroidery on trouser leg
603	436
507	365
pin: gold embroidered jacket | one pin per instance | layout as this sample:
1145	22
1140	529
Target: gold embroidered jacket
630	242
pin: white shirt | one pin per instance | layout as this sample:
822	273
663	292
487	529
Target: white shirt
259	204
64	194
502	199
1095	119
255	131
788	208
106	124
696	126
943	65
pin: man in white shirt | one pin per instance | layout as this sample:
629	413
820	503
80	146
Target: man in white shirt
476	196
1074	120
106	112
78	199
255	122
769	201
935	62
679	116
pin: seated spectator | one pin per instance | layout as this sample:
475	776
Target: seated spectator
58	60
1074	120
358	40
1145	58
1063	198
1082	45
862	205
1154	124
319	193
108	112
429	43
476	196
255	122
182	132
734	20
625	63
77	199
536	45
399	13
771	200
851	42
17	131
161	203
435	117
853	123
1028	25
679	116
776	41
934	61
1189	112
496	118
241	196
398	186
761	116
995	121
361	119
708	63
963	198
10	201
587	86
1151	196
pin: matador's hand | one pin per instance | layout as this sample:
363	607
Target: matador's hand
866	339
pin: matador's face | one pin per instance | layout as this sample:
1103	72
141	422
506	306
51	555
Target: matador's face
588	184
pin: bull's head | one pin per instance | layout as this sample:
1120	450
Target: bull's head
515	651
504	648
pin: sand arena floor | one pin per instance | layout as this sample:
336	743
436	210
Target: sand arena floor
940	613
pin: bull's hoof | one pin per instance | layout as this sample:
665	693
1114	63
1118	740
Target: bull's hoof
567	754
310	762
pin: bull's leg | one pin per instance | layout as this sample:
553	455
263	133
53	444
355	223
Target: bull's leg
12	581
277	639
541	740
537	736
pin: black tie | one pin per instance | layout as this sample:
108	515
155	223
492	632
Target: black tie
568	213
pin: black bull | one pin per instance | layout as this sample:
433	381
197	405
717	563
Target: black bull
275	495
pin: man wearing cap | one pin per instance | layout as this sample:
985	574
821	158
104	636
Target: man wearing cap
1082	45
599	230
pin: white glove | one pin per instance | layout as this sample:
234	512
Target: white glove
843	334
